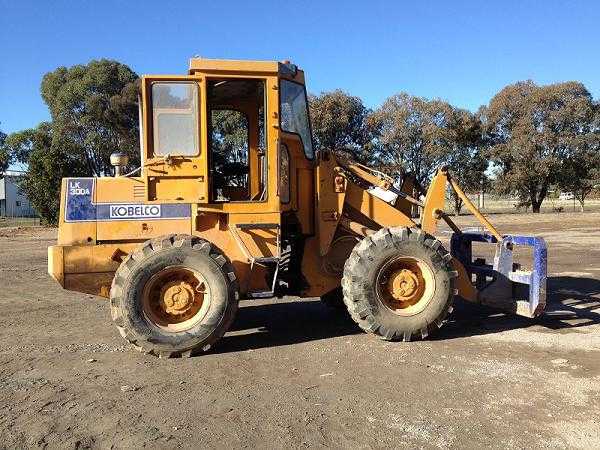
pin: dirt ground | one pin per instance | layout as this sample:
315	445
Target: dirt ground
292	373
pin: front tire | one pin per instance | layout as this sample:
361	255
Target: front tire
399	284
175	296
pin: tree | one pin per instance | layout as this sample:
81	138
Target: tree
339	123
465	158
581	172
581	169
414	135
94	111
533	130
4	156
47	165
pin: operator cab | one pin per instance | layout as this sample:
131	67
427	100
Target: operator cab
230	133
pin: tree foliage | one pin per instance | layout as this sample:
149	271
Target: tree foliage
466	157
414	135
94	113
536	137
581	169
581	173
4	156
47	165
339	122
533	130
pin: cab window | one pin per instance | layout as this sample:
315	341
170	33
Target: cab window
175	118
293	110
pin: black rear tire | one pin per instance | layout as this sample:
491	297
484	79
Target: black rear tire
135	273
369	258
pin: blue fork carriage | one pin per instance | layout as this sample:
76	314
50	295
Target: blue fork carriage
502	284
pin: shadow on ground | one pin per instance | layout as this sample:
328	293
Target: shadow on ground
572	303
285	323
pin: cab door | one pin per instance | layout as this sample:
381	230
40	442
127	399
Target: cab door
175	160
296	138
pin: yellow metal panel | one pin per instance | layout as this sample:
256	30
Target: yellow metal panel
141	229
185	189
95	258
77	233
90	283
306	199
258	242
55	263
126	190
87	268
232	65
465	288
302	182
119	190
330	203
219	229
319	281
376	209
434	201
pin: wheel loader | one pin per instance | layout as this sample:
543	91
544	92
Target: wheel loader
233	201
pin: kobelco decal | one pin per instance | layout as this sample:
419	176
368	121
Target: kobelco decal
81	207
134	211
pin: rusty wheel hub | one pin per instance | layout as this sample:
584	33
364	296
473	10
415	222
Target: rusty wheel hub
405	285
176	298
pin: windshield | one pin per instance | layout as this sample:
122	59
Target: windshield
294	114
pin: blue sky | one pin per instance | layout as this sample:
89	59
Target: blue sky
460	51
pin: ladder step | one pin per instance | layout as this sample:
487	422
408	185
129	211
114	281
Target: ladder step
257	226
267	259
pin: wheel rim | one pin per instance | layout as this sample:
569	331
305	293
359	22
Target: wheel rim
176	298
405	285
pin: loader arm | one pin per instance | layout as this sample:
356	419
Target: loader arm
369	199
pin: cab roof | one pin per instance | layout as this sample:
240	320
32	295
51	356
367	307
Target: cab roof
236	66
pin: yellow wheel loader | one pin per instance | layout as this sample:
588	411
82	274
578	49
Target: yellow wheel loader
233	201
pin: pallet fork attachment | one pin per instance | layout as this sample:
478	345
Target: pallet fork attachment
502	284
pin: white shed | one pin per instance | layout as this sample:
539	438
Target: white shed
13	203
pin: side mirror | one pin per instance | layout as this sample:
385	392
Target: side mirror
119	160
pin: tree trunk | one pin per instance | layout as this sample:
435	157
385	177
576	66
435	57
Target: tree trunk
536	200
583	193
458	204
